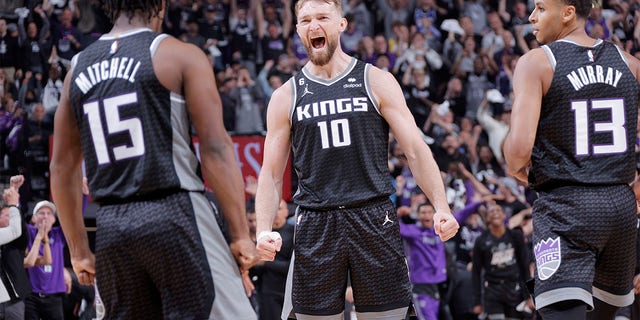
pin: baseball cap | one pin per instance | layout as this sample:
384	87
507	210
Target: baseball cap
44	203
210	8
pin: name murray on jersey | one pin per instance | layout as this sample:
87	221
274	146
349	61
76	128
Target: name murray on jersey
114	68
594	74
334	106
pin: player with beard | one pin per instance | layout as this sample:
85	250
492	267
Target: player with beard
335	115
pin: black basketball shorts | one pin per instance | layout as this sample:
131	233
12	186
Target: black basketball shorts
363	242
167	259
584	244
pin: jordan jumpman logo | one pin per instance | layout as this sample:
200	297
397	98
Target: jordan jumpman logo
386	219
306	90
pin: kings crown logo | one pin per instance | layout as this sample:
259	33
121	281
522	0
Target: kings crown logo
548	257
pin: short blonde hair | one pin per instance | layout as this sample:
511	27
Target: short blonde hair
336	3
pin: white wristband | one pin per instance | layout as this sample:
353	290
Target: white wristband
271	235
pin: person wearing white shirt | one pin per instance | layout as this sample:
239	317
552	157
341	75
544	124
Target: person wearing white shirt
52	91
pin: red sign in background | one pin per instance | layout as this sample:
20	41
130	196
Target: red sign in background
249	151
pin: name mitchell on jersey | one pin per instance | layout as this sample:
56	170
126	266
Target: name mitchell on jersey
114	68
594	74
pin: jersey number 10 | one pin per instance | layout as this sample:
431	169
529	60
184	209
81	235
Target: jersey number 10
133	126
340	136
616	126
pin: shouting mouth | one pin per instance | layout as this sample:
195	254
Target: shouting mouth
318	42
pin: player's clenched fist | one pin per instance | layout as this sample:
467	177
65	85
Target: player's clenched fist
445	225
268	243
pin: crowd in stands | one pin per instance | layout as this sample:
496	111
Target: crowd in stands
454	60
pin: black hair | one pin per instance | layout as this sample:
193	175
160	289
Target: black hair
114	8
251	206
426	203
583	7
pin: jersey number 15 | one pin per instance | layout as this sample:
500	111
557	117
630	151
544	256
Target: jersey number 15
111	108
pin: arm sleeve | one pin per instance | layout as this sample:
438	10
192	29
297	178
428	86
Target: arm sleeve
485	120
22	33
263	82
465	212
14	230
407	230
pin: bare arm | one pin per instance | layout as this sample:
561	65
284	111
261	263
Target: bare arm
217	156
528	86
259	17
46	258
233	8
522	43
634	65
287	19
46	26
502	11
482	115
277	144
30	259
423	166
33	258
406	77
66	186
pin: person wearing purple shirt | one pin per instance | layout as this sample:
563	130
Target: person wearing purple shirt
47	282
427	257
11	116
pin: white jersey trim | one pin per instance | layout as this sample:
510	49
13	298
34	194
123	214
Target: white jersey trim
176	97
74	60
294	96
550	56
622	56
368	88
325	82
156	43
598	42
124	34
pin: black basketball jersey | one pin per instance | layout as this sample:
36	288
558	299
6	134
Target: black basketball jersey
339	140
587	128
135	132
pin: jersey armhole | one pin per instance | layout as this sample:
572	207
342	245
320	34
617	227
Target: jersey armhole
74	60
156	43
622	56
294	94
550	56
367	87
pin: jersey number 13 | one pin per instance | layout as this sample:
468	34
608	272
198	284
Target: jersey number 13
616	126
